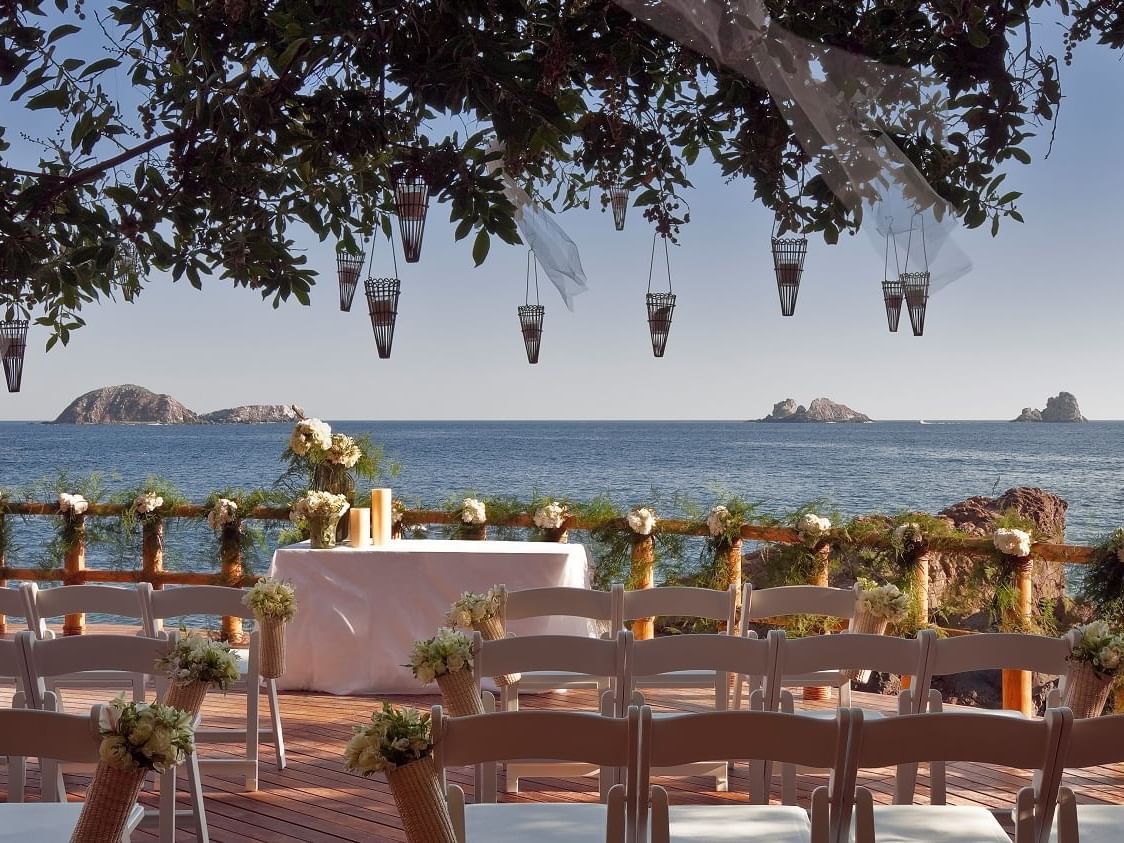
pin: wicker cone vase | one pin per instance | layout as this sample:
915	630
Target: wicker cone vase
491	629
187	696
865	623
109	800
458	694
421	805
272	646
1086	691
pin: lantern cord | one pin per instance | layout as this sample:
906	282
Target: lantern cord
924	248
886	261
652	265
527	295
908	245
371	256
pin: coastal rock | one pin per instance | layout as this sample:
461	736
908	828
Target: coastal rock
125	404
1061	408
251	414
820	410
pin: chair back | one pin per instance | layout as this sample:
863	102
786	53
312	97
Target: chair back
681	601
44	603
995	651
786	600
69	738
13	601
1095	741
725	654
193	600
560	601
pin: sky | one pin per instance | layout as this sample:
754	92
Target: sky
1039	313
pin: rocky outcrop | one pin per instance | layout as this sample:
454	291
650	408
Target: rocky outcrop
820	410
1061	408
251	414
127	404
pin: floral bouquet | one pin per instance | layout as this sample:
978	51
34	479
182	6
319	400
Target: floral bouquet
470	519
72	506
447	658
274	604
1097	658
326	461
482	612
878	606
223	514
551	519
642	521
137	738
1011	542
398	742
194	664
147	505
812	528
908	538
321	511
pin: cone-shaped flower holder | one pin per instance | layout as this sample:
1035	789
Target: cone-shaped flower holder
788	263
530	323
13	343
618	198
892	295
382	303
411	201
661	306
348	268
915	288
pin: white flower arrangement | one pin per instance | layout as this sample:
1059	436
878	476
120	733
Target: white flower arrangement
309	434
343	451
811	525
223	514
909	534
1099	647
397	512
472	608
718	521
72	505
473	512
272	599
1012	542
550	516
642	521
886	601
395	737
318	505
146	503
144	736
194	658
448	651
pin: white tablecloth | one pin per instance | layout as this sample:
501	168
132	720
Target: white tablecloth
360	611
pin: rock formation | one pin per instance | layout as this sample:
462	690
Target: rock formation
251	414
125	404
820	410
1061	408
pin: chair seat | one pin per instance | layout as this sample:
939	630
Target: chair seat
551	679
678	679
716	823
1096	823
540	822
831	714
47	822
819	679
935	824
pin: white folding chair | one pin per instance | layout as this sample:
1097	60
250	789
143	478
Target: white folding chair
52	738
562	736
46	603
720	656
1032	745
44	660
212	600
818	654
11	667
557	653
598	607
991	651
1093	742
788	600
753	736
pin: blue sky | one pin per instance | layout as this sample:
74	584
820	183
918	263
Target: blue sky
1039	313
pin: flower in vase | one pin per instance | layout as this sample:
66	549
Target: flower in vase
344	451
309	434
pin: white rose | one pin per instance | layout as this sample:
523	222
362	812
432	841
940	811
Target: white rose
1012	542
1109	657
455	662
812	524
642	521
473	512
114	752
425	674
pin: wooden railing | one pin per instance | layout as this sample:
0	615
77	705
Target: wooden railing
1017	692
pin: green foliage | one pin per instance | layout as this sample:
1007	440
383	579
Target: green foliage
1102	582
128	540
252	536
98	529
504	508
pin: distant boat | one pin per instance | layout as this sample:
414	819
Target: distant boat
922	421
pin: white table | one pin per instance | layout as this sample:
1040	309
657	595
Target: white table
360	611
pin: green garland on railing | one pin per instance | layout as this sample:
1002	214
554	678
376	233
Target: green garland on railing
1103	581
155	491
252	538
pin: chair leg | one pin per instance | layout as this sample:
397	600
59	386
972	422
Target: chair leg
17	768
275	720
195	787
253	702
845	695
168	806
139	684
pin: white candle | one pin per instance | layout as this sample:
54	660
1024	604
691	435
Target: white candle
381	521
359	527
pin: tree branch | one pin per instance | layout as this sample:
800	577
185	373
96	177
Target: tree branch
88	173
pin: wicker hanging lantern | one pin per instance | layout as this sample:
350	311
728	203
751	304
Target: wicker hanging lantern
892	296
788	264
13	345
531	315
411	201
382	304
128	269
915	285
661	306
348	267
618	198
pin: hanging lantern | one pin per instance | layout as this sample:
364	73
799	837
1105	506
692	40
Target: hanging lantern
892	295
531	315
128	269
618	198
382	303
411	201
788	263
348	267
915	288
661	306
13	344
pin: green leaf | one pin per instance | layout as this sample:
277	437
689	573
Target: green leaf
56	98
100	66
1020	154
62	31
481	246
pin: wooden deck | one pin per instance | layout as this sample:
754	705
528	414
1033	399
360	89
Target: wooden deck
316	801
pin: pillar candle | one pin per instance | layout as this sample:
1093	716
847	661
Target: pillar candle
381	519
359	527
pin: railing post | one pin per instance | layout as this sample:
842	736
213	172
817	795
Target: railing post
1018	685
733	562
74	563
822	577
643	576
921	585
232	571
152	550
3	583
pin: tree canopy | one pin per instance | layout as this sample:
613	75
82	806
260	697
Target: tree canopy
195	136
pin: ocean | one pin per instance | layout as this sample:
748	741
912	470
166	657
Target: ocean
858	468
